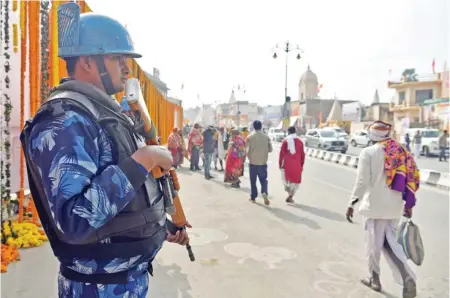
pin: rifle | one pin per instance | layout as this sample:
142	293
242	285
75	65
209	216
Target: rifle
169	182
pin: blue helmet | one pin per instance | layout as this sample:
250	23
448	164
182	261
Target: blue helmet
91	34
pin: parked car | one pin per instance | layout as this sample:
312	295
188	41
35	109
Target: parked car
430	140
340	131
325	139
276	134
360	138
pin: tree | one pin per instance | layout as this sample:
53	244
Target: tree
410	75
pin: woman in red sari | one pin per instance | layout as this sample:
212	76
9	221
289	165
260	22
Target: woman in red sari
175	147
291	161
234	164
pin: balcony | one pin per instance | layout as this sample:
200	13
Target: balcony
421	79
403	107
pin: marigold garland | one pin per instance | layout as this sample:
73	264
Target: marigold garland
9	254
6	163
23	69
18	235
45	42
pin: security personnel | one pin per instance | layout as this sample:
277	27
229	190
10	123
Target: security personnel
88	167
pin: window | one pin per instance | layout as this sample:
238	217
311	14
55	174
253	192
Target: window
422	95
328	134
401	97
430	133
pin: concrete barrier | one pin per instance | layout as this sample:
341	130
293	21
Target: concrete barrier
437	179
429	177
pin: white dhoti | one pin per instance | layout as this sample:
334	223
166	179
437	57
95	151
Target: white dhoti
220	148
417	149
289	187
381	236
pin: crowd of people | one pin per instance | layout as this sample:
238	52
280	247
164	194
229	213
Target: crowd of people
385	187
230	148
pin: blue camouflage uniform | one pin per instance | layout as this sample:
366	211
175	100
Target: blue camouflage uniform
68	151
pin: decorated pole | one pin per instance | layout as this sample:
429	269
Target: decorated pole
23	69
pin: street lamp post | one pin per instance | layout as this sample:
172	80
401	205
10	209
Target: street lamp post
238	112
287	48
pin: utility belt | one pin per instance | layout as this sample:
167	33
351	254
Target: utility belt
104	278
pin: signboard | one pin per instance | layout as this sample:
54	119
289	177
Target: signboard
351	112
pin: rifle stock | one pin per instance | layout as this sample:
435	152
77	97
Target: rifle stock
137	104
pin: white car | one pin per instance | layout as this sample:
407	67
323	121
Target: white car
360	138
276	134
340	131
325	139
430	140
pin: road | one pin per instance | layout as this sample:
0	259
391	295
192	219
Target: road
307	249
425	163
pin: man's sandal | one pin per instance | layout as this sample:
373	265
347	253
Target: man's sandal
369	282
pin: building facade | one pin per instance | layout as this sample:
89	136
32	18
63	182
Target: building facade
412	96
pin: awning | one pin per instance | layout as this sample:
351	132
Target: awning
435	101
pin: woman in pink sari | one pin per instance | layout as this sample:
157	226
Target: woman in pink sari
174	145
234	164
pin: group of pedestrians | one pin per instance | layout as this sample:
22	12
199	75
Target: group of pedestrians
417	141
229	149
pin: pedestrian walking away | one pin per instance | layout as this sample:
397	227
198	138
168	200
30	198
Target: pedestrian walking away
443	146
408	142
195	142
258	147
417	144
208	150
291	162
235	159
385	187
92	184
174	143
219	149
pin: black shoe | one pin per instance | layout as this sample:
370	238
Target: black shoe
211	177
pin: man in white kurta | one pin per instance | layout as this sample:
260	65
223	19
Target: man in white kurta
382	207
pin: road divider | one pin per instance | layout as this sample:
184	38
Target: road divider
433	178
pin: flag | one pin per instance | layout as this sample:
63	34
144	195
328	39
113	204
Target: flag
182	86
433	66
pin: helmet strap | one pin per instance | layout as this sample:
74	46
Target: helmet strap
104	75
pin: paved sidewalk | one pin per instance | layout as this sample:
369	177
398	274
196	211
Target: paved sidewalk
249	250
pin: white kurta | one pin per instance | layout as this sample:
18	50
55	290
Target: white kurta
377	200
220	148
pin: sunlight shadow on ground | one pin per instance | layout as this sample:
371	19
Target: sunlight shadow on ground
291	217
320	212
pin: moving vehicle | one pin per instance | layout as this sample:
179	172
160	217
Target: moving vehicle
276	134
360	138
430	140
325	139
